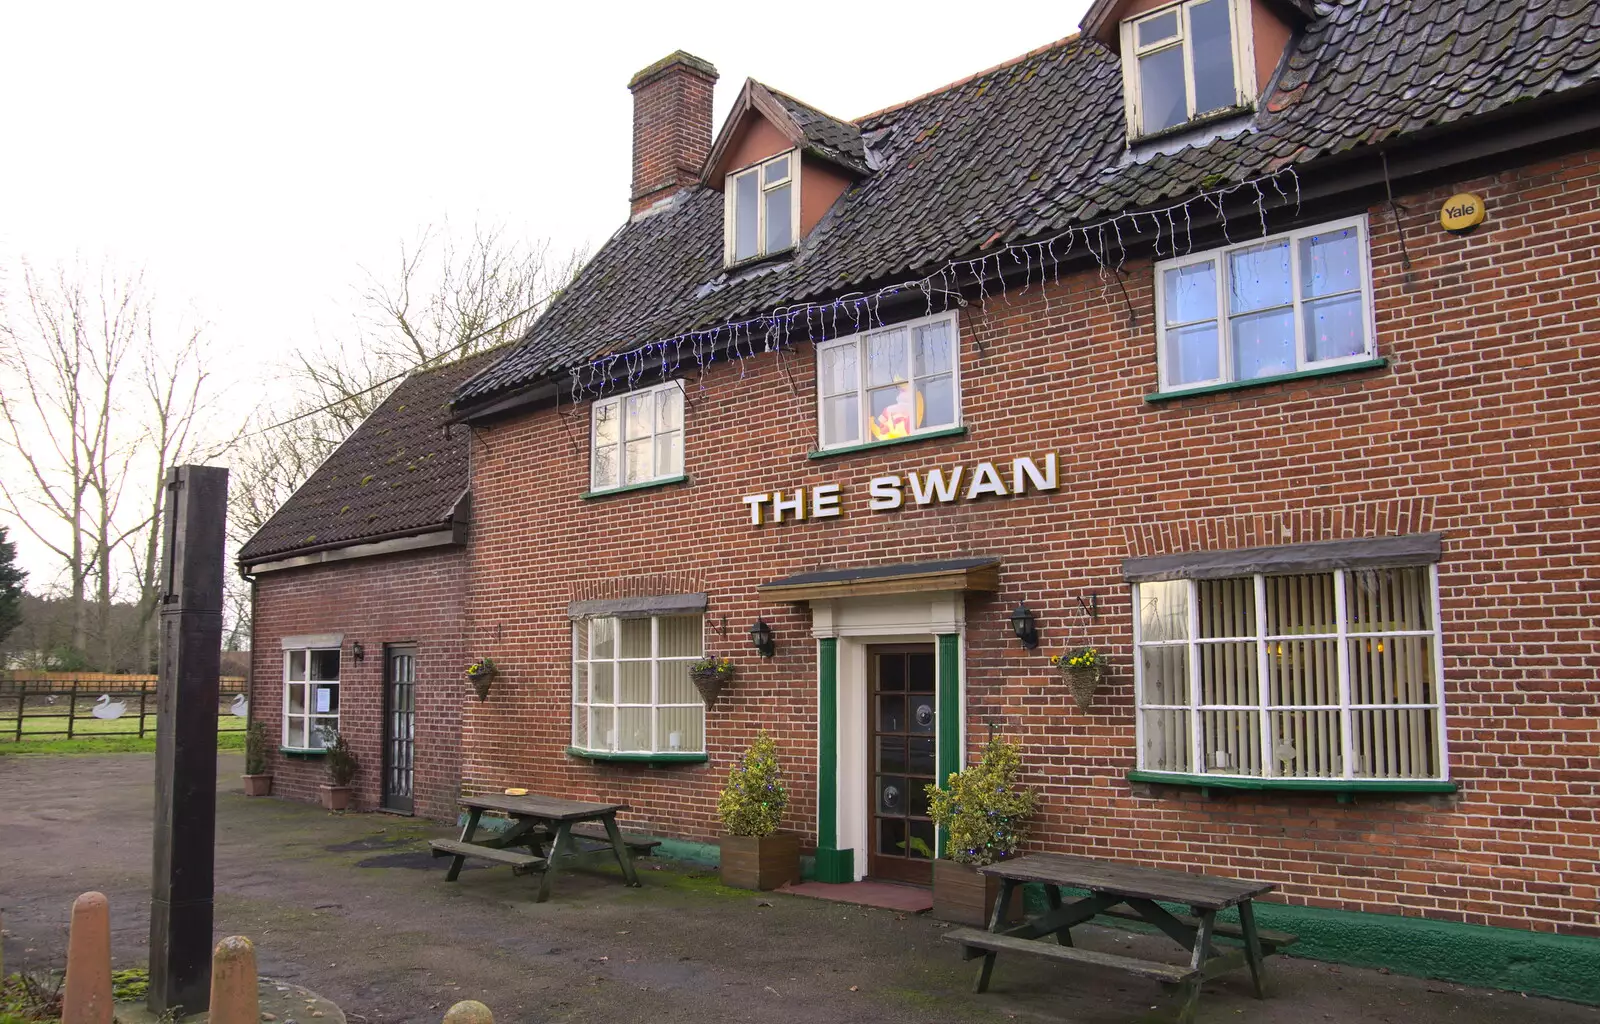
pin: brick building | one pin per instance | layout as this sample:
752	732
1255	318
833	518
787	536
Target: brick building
1252	343
359	592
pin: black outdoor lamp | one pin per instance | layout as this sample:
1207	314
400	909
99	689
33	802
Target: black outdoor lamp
1022	624
357	651
761	637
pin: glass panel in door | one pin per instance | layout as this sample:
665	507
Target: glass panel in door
901	756
399	727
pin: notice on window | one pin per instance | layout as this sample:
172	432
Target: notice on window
324	699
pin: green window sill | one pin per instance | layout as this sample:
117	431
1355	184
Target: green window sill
930	435
1258	382
647	485
303	753
1345	788
654	760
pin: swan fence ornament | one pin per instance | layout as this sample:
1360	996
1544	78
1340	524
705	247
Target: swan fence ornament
54	706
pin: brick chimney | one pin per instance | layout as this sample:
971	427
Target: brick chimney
671	126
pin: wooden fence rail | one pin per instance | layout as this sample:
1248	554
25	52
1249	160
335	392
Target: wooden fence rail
95	707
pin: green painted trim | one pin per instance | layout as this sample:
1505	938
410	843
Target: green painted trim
1314	785
1538	963
303	753
1256	382
649	759
827	742
949	668
835	865
931	435
647	485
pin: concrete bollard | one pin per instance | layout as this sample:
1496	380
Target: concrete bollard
235	998
469	1011
86	998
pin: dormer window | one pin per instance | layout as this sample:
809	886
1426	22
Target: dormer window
762	212
1185	61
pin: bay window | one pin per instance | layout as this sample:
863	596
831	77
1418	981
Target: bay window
636	438
631	689
1331	674
888	384
1281	305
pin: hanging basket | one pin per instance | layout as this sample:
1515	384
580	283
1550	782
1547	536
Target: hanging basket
710	682
480	675
1083	682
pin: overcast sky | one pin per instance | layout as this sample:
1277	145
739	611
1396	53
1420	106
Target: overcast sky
256	160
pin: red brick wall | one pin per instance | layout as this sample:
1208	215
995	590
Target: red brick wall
1485	426
409	598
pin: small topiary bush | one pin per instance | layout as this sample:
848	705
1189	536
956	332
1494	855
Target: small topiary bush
255	748
754	799
341	761
984	811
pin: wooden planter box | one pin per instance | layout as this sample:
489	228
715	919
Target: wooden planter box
336	798
257	785
761	862
963	896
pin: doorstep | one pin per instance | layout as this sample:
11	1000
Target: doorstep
909	899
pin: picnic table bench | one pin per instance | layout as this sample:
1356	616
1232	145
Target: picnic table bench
544	832
1127	892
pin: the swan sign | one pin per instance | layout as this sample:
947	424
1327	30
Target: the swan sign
1025	474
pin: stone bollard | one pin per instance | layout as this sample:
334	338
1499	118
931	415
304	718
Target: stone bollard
235	999
87	995
469	1011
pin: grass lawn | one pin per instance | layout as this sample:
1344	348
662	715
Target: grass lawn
97	736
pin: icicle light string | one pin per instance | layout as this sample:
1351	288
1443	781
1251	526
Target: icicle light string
863	311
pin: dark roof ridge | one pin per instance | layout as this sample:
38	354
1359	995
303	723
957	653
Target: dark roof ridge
958	83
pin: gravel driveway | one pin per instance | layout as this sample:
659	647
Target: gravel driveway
352	907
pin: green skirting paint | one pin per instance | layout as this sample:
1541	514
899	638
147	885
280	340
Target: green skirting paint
1538	963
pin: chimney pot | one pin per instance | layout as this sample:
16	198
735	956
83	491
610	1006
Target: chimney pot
671	126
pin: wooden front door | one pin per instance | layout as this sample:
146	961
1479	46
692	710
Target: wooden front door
399	727
900	737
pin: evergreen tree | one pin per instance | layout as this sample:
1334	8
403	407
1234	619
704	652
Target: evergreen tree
11	579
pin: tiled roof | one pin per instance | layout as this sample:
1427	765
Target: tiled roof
1035	146
402	470
826	135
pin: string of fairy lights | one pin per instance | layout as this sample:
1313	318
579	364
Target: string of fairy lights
1103	240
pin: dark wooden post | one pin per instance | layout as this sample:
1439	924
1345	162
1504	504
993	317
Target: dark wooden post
186	739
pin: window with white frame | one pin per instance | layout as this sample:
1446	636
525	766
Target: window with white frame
1184	61
631	689
310	696
762	208
1325	675
636	438
890	383
1280	305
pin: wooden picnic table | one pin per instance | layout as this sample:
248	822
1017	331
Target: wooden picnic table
1128	892
551	830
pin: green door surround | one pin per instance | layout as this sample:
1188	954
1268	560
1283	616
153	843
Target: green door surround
833	864
950	714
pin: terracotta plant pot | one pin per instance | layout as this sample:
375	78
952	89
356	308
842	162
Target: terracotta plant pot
257	785
963	896
761	862
336	798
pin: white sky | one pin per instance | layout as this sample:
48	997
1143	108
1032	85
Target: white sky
254	159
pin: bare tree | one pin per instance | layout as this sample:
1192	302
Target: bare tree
62	422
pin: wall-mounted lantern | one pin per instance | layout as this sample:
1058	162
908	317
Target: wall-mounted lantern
1022	624
761	638
357	651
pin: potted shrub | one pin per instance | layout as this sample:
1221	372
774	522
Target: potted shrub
710	675
480	674
982	813
342	766
1082	668
755	855
256	780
